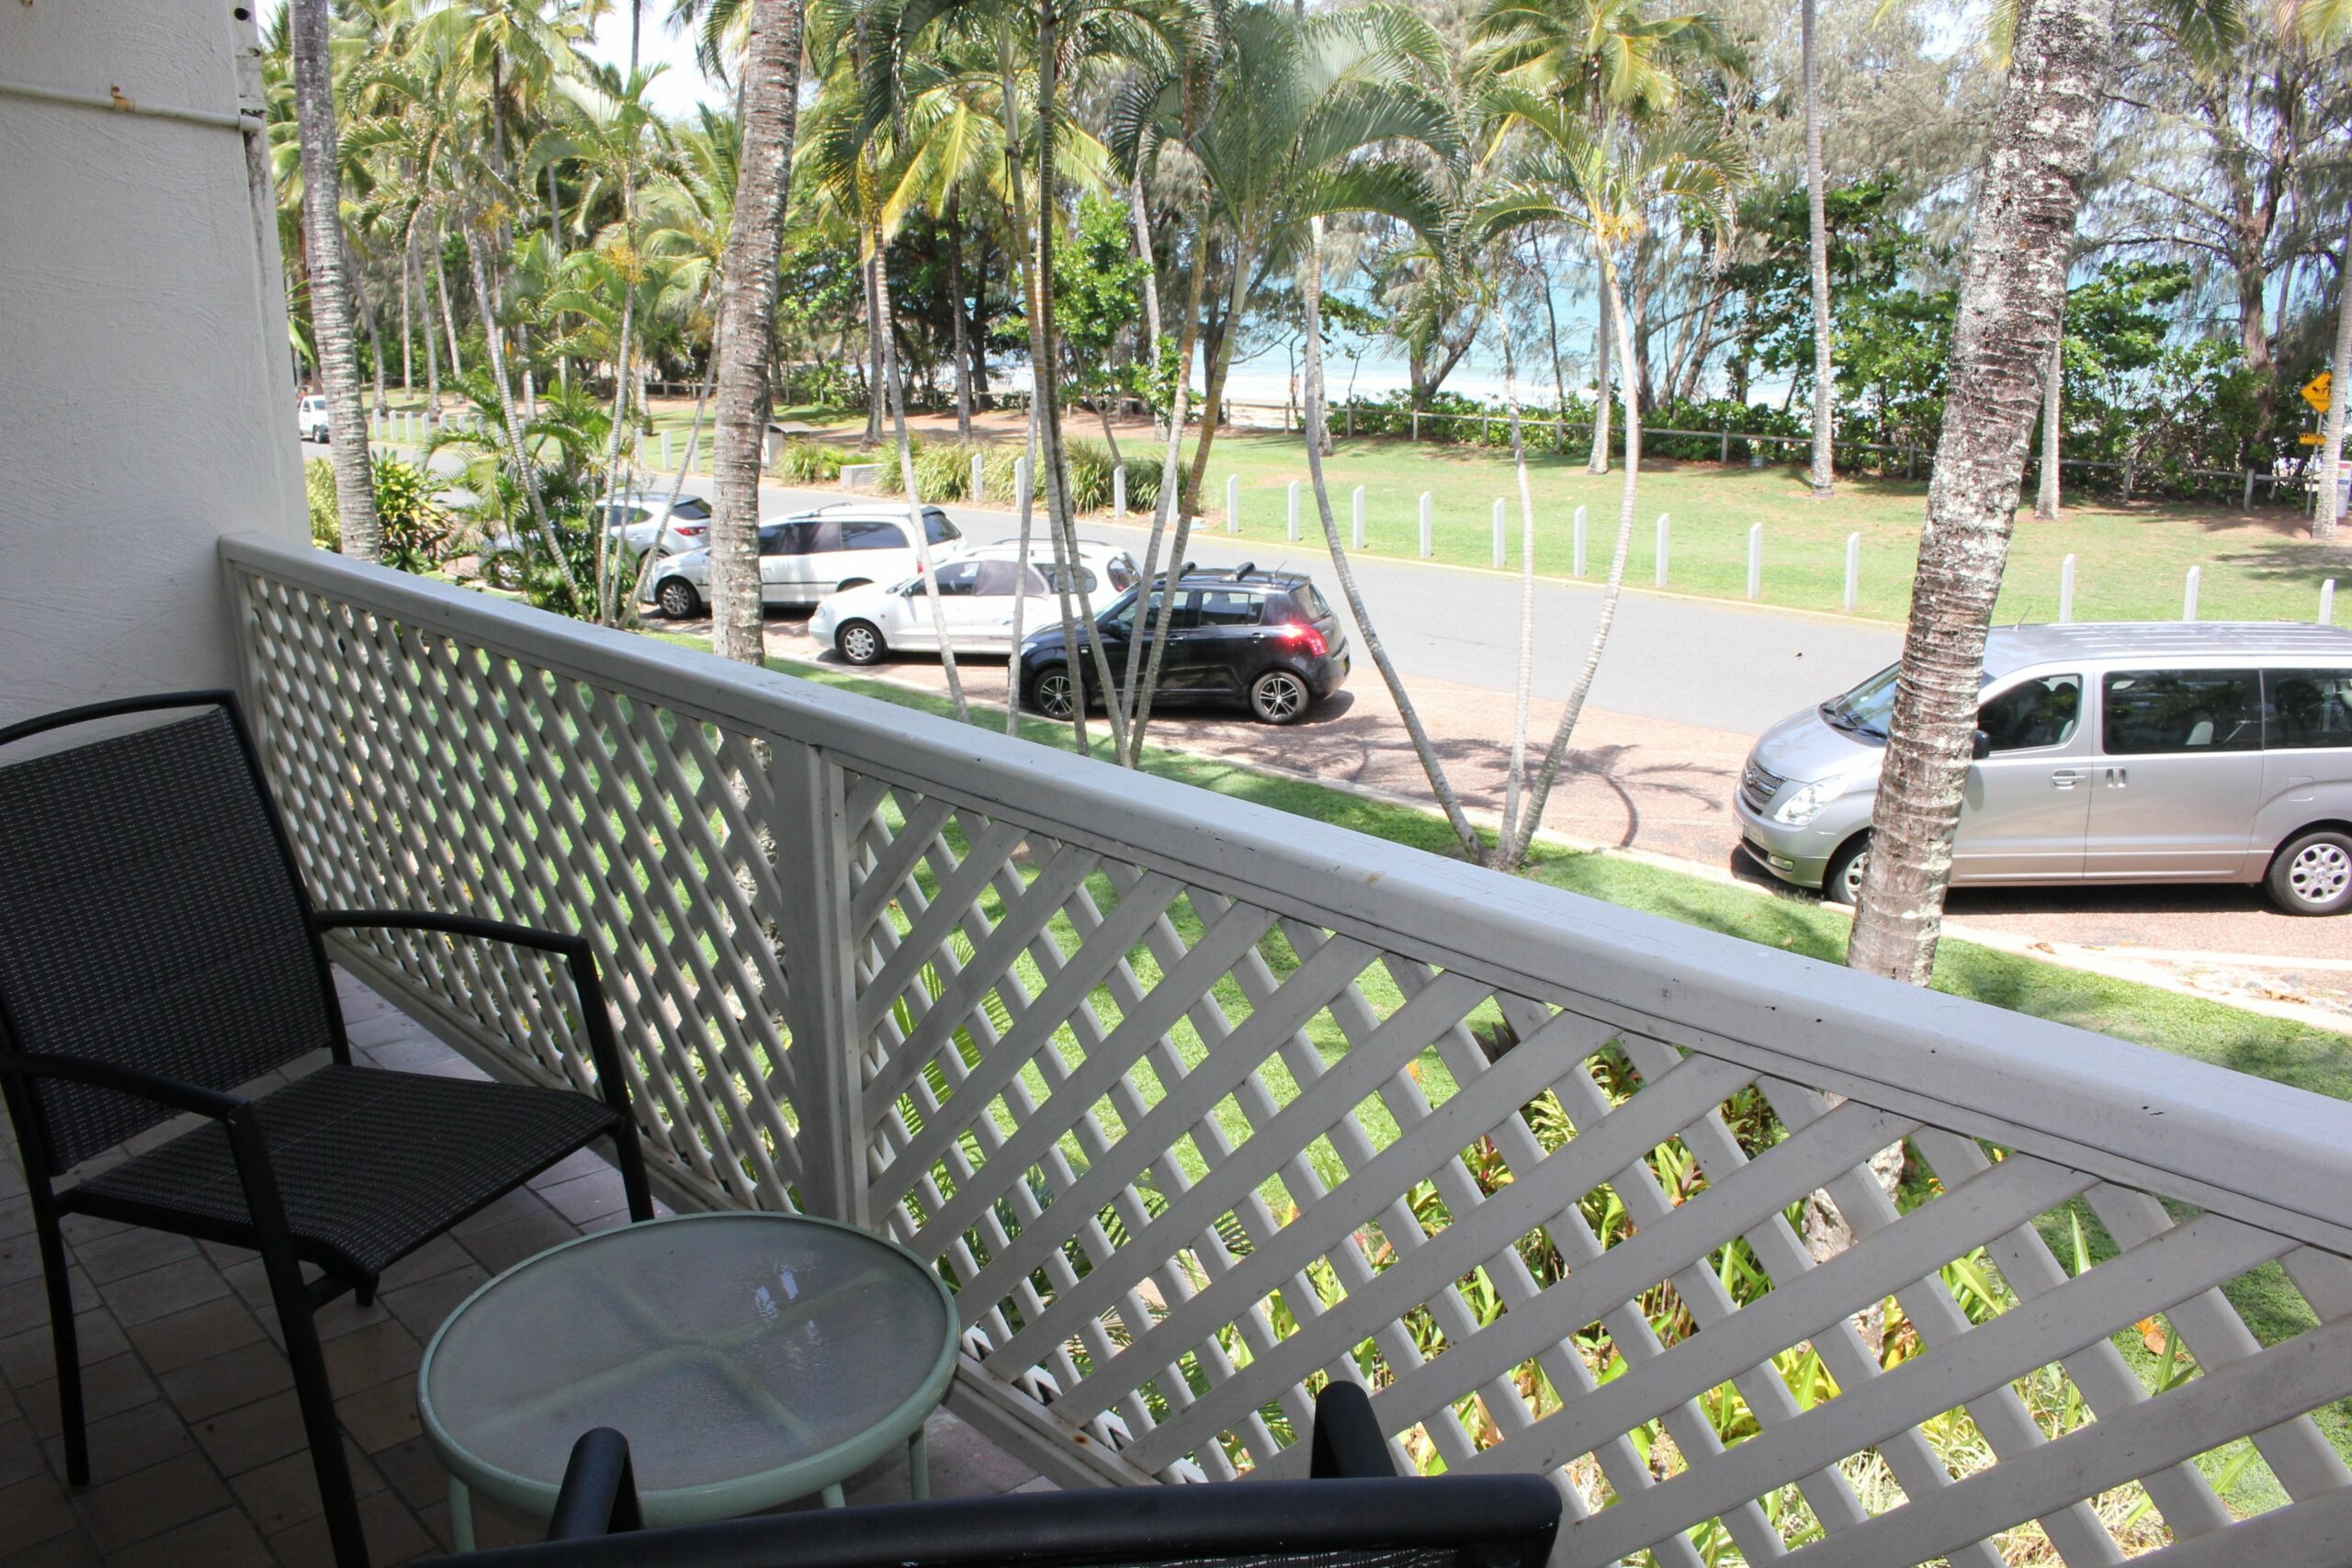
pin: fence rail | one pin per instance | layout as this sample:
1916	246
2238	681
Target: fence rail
1196	1104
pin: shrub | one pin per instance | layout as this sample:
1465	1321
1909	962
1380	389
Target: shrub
416	531
318	488
810	463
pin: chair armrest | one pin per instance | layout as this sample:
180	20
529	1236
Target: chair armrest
599	1492
179	1095
577	955
1346	1444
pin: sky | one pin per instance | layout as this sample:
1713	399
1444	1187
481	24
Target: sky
681	86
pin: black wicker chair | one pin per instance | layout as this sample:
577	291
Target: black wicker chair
157	950
1354	1513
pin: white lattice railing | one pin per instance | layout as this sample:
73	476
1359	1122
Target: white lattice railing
1197	1105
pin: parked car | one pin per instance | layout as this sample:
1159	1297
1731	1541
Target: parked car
310	418
2116	754
1265	640
643	517
809	555
978	592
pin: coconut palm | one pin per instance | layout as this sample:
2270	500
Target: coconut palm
1824	377
323	250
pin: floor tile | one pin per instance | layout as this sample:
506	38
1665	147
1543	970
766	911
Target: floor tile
424	1308
393	1536
32	1511
370	1356
383	1415
158	1292
114	1384
31	1357
197	1334
138	1439
224	1381
223	1539
285	1491
131	1252
499	1250
238	1439
153	1501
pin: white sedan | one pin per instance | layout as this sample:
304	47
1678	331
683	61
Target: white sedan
977	595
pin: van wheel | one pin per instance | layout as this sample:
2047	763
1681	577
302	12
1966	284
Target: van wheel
679	600
858	642
1279	697
1842	884
2312	873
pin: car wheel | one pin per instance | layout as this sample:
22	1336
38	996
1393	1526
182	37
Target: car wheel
678	599
1842	884
1052	694
1279	696
2312	873
858	642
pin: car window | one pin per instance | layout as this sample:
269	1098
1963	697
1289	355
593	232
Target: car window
1078	577
693	509
2156	711
824	537
1314	602
957	581
941	531
775	538
871	534
1121	570
1124	614
1229	607
2043	711
998	579
2307	707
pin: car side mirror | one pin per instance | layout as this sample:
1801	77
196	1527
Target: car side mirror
1981	747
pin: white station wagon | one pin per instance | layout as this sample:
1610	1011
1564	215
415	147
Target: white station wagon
978	592
809	555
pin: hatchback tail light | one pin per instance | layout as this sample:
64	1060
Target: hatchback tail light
691	530
1307	638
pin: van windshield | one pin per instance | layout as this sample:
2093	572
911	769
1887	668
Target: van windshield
1866	709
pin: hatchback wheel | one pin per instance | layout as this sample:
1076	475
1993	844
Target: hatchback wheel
679	600
2312	873
1052	694
858	642
1280	697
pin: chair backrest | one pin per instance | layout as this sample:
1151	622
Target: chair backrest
1487	1521
151	917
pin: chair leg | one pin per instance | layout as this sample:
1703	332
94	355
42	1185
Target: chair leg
62	1337
364	1292
315	1397
632	1157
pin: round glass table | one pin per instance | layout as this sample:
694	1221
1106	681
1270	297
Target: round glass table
750	1359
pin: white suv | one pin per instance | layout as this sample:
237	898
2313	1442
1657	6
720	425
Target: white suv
310	418
808	555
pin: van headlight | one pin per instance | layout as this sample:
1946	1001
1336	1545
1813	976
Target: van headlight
1805	803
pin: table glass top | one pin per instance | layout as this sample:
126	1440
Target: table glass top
722	1346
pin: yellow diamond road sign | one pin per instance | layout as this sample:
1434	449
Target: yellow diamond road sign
2317	390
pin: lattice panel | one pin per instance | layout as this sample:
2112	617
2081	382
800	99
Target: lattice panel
419	771
1185	1159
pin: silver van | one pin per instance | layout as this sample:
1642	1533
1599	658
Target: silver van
2125	752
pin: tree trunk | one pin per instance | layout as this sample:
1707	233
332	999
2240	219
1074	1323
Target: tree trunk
2327	518
1825	373
1522	687
1311	297
518	452
431	344
746	339
2045	500
355	483
1137	700
2013	292
1220	361
1599	464
896	390
366	306
408	341
1142	220
875	328
449	316
955	313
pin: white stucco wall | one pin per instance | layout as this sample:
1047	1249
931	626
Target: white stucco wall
146	397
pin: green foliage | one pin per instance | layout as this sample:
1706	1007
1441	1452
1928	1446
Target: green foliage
416	531
567	446
318	488
809	463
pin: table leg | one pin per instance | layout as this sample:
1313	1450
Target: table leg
461	1516
919	1465
834	1498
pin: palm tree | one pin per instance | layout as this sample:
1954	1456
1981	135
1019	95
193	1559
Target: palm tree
746	327
2327	24
338	358
1604	188
2013	290
1825	375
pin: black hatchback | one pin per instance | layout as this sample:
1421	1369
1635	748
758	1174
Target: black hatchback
1266	640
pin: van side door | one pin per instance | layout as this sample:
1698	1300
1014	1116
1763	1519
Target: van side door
2025	805
2307	754
2178	776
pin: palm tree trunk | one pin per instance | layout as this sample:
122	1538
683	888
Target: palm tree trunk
1142	220
875	328
1599	464
1311	297
1825	375
518	452
1171	494
1220	361
449	316
366	306
432	345
2013	292
2328	516
1509	856
746	329
355	484
2045	500
408	360
1524	686
1024	500
896	391
956	312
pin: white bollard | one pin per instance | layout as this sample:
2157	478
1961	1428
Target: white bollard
2189	595
1662	528
1119	493
1499	551
1359	529
1756	560
665	451
2327	603
1425	525
979	479
1578	561
1233	504
1853	570
2066	590
1290	517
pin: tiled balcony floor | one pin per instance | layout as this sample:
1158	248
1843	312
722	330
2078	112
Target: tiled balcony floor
196	1454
